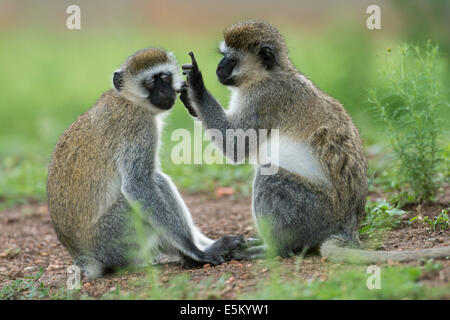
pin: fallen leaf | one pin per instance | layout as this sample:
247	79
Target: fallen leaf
42	210
224	191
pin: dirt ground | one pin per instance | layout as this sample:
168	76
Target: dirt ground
28	242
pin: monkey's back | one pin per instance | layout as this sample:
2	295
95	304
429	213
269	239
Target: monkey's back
83	180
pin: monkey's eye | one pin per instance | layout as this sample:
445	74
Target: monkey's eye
149	83
166	77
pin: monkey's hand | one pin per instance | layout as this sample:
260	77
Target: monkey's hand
194	78
220	251
184	97
225	246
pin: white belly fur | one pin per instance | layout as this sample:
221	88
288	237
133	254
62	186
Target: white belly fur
296	157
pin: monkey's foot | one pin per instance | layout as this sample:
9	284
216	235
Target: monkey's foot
90	267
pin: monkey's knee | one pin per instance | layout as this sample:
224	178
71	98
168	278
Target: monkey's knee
90	267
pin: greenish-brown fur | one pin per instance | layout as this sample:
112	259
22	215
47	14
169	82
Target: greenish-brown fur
248	34
146	58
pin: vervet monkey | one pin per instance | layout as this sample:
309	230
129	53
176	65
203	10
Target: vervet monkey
108	159
317	197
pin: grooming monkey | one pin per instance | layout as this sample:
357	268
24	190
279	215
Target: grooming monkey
108	159
318	195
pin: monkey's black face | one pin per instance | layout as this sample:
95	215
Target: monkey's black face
225	71
160	89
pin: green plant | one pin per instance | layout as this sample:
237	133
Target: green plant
27	288
431	266
441	221
408	102
380	215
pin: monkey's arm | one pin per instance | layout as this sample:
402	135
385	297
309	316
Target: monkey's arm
161	207
213	116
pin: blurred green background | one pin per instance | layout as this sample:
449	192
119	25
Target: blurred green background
49	75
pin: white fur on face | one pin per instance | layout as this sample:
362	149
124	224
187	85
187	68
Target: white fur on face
133	90
223	48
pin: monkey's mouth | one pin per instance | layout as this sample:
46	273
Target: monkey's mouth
227	81
164	102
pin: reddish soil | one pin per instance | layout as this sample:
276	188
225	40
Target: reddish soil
28	242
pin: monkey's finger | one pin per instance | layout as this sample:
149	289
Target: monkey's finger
187	66
194	62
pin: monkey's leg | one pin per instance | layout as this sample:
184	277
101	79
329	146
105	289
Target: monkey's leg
108	250
114	241
290	214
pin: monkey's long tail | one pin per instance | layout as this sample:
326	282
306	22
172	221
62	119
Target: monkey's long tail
334	251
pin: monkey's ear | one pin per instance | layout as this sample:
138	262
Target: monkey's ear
267	57
118	80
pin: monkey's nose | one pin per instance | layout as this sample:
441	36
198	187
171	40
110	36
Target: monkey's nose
222	74
219	72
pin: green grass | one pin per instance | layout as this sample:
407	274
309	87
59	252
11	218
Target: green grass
380	216
176	288
441	222
29	287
